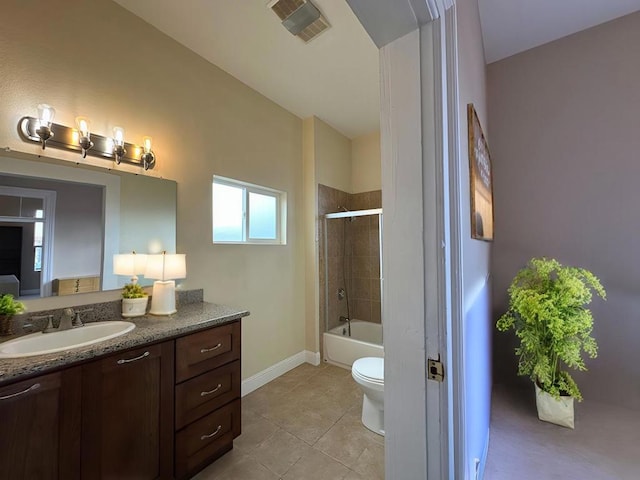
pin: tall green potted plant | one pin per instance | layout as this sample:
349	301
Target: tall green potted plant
547	311
8	308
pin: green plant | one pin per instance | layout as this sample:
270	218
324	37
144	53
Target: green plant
133	290
9	306
547	311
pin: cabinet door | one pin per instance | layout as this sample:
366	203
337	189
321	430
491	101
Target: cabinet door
127	424
40	427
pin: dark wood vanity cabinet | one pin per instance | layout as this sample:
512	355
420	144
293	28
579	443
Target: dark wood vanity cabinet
159	411
40	427
127	415
207	397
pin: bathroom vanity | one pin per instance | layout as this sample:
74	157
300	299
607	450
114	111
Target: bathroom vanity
160	402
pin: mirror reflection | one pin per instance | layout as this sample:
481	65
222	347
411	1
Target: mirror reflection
60	226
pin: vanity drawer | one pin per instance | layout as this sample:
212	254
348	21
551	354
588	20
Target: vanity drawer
203	441
206	350
204	393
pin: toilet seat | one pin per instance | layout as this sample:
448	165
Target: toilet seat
370	369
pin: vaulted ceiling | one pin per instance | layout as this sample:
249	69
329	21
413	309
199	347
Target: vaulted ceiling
336	76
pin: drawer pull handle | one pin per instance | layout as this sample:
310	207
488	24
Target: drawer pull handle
127	360
35	386
204	394
204	437
205	350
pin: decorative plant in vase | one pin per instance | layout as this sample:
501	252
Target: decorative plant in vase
547	310
134	300
8	308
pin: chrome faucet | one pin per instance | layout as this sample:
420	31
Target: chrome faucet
70	319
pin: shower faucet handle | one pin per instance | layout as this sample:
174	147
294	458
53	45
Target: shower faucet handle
343	318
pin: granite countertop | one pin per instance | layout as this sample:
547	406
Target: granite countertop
149	329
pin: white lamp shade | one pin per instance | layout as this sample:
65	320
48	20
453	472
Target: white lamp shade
129	264
166	266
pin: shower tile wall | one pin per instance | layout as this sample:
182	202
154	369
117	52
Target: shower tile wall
359	270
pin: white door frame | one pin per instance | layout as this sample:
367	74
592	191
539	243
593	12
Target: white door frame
424	419
49	207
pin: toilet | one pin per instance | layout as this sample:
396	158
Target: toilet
368	372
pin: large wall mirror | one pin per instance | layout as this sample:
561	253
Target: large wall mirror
61	225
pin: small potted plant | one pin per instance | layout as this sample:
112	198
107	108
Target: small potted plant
134	300
8	308
547	311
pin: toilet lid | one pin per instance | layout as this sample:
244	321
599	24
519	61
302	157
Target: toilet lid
370	367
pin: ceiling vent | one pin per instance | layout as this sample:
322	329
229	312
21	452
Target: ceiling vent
300	17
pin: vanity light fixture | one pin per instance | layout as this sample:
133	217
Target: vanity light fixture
118	144
84	132
43	131
131	264
165	268
45	118
147	157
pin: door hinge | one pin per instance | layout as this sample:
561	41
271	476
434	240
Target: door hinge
435	370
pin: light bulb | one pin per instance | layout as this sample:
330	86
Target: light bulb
146	141
84	126
45	114
118	136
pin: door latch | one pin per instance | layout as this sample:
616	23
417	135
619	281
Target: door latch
435	370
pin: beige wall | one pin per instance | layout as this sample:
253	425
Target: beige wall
97	59
332	156
565	143
310	236
365	163
327	160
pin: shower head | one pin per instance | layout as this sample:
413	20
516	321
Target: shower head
345	209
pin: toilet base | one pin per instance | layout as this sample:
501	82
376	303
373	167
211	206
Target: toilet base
372	416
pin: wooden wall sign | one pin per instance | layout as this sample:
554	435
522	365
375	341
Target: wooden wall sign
481	181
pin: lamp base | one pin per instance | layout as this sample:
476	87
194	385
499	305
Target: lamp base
163	300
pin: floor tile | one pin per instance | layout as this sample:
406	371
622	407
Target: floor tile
370	464
315	465
263	400
304	371
255	430
285	420
307	425
347	441
280	451
354	476
218	467
246	469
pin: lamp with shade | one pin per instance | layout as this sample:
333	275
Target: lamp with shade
165	268
132	264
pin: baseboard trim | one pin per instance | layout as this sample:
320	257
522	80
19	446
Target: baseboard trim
274	371
312	357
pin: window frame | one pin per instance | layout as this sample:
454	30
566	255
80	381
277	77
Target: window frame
248	188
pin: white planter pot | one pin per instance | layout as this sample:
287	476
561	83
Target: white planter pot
555	411
134	307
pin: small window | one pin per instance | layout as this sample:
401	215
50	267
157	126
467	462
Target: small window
246	213
38	233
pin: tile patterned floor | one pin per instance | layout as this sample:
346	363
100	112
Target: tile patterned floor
304	425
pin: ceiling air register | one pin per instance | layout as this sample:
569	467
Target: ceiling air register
302	18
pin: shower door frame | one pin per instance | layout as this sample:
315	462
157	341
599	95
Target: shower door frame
351	214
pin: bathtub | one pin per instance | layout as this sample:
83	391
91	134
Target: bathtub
365	341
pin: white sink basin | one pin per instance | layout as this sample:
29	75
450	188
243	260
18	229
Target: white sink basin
41	343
